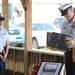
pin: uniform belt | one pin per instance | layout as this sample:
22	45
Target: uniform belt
70	48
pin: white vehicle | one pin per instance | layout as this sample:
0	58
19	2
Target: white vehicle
39	33
58	21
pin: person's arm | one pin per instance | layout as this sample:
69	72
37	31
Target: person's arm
71	42
6	49
3	58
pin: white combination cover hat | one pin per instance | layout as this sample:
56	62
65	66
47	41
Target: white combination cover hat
64	8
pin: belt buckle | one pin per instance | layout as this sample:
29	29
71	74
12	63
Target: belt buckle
0	50
70	49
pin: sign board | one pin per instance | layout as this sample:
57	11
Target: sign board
49	68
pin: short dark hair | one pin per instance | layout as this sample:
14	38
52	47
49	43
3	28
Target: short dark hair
1	18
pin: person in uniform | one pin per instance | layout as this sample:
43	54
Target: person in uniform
4	46
68	28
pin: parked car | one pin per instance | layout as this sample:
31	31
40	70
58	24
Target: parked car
58	21
39	33
16	34
20	25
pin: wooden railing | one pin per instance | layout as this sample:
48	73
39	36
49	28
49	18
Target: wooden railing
15	59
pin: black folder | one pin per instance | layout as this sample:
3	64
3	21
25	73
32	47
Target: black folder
57	40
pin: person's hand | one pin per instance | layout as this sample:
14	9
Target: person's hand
5	57
71	42
54	49
2	58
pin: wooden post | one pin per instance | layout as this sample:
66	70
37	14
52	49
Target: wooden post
27	5
5	13
73	54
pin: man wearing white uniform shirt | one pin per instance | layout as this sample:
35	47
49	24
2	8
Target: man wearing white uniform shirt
68	28
4	46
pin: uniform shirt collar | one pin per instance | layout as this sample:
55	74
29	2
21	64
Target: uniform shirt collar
0	27
73	19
